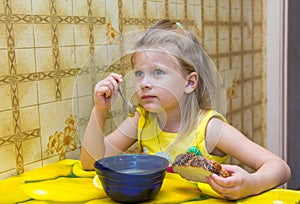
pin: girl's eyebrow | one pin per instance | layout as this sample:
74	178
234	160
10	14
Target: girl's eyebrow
143	67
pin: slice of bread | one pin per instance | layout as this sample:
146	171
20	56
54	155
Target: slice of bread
197	168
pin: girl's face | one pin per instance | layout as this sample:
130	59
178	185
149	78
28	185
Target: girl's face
160	85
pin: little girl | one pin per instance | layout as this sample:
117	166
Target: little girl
178	91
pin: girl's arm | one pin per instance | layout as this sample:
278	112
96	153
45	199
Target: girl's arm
95	145
270	170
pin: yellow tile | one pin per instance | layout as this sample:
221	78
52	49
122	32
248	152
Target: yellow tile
225	66
152	9
99	56
223	38
65	34
258	16
127	9
236	62
100	8
113	53
238	92
236	118
6	121
27	92
210	33
32	153
194	2
52	119
80	130
25	61
23	35
235	14
80	8
257	86
247	64
192	12
5	96
258	64
180	12
236	4
258	38
21	7
34	165
67	85
224	45
40	7
46	90
99	34
3	63
81	34
7	159
236	39
224	4
3	40
44	59
210	42
160	10
209	13
29	118
223	14
247	90
8	173
66	57
247	118
2	9
82	57
85	106
258	97
73	154
247	5
63	7
83	86
209	3
42	35
137	9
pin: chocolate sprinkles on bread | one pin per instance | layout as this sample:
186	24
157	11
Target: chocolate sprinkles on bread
197	168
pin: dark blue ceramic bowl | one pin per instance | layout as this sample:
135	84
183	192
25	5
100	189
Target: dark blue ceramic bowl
131	178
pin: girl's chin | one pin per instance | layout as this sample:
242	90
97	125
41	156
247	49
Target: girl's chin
153	109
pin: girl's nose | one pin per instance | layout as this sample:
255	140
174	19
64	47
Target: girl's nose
146	85
146	82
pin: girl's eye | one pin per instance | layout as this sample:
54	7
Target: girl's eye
158	72
139	74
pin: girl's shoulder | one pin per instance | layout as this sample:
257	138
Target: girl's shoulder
206	115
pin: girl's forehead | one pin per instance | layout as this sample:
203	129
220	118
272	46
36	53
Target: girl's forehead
154	58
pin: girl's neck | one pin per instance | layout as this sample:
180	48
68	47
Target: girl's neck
169	122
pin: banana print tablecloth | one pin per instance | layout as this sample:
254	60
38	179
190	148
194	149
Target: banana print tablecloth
66	182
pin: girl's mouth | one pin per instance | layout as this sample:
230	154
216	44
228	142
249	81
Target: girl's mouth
147	97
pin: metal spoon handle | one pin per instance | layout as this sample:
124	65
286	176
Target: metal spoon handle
127	105
121	94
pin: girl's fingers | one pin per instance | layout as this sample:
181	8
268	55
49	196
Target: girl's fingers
226	191
225	182
108	86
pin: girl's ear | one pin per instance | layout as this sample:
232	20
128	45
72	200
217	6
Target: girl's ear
192	82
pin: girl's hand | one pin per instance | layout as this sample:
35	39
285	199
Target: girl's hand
106	91
239	185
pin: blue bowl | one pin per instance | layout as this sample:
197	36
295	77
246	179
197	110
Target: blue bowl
131	178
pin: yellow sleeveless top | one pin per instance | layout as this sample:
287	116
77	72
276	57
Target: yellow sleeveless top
153	140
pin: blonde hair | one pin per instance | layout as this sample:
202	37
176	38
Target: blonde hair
166	35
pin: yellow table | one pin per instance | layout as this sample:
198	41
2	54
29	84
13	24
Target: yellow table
66	182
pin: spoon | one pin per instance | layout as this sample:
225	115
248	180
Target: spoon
127	106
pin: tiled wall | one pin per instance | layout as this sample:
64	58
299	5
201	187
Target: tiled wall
46	86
